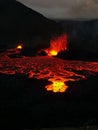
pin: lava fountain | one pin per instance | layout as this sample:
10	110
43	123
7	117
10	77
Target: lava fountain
56	45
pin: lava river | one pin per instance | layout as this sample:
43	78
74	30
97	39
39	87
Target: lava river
55	70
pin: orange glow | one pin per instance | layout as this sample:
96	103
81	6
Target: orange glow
57	45
52	53
19	47
57	85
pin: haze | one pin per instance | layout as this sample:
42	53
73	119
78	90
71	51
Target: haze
62	9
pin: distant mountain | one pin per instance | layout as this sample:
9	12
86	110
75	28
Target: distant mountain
20	23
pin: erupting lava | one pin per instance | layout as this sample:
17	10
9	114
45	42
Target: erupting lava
56	45
19	47
52	53
57	71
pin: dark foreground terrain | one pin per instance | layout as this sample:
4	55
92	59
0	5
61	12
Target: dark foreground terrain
24	101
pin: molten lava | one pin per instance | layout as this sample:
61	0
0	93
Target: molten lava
19	47
54	70
52	53
57	45
56	86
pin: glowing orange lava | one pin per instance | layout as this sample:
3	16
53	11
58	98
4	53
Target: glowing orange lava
55	70
52	53
19	47
57	45
56	86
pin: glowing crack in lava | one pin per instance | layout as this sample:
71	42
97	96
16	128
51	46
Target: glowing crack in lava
56	45
57	71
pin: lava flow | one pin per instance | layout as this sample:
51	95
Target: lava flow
57	85
57	45
57	71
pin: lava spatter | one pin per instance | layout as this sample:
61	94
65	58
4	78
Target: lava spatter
56	45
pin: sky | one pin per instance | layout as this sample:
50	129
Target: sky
62	9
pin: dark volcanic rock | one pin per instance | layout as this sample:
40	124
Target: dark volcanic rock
23	103
78	55
20	23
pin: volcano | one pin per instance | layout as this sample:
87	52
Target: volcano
56	89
